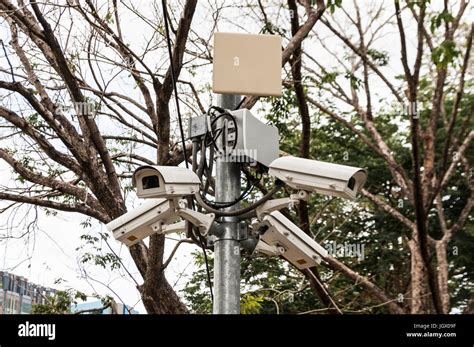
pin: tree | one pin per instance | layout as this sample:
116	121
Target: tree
63	300
435	127
78	133
413	129
59	303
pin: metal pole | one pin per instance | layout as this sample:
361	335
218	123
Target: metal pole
226	245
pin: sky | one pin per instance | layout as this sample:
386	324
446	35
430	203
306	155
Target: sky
51	252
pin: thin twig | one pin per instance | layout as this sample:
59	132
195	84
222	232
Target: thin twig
8	60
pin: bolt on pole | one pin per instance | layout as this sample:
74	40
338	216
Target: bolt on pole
226	245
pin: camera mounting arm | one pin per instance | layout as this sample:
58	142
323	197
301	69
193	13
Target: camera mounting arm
271	250
174	228
278	204
202	221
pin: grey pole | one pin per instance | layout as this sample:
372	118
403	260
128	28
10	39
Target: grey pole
226	245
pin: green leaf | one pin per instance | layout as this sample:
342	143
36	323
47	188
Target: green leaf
437	20
331	5
445	54
329	77
353	80
380	58
250	304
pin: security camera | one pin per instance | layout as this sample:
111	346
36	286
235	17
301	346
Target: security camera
319	176
281	237
165	182
158	216
136	224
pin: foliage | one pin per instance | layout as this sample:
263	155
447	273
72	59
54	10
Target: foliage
250	304
333	4
60	302
445	54
94	252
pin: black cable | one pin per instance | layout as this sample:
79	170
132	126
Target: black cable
240	103
208	271
221	130
194	155
217	108
202	160
213	145
219	213
180	122
209	178
214	136
173	79
251	181
218	132
216	205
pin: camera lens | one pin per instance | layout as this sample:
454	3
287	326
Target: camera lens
149	182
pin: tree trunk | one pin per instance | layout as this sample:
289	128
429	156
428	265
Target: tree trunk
157	294
159	297
470	305
419	290
441	258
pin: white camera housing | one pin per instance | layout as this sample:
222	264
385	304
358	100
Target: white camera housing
290	241
135	225
165	182
157	216
256	140
319	176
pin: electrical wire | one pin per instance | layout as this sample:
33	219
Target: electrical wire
202	160
240	103
215	136
180	122
194	155
251	181
236	213
241	197
208	271
214	206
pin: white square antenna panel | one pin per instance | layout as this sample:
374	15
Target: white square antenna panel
247	64
255	139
